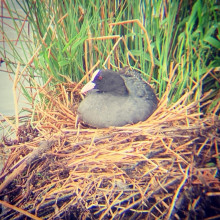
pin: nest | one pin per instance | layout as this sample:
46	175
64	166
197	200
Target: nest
163	168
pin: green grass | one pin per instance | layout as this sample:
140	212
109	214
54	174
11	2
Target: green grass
184	34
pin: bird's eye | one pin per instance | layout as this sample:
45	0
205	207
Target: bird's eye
100	77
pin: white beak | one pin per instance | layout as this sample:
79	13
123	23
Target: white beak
90	85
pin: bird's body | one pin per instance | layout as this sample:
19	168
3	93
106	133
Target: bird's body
115	99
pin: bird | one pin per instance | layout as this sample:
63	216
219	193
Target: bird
116	99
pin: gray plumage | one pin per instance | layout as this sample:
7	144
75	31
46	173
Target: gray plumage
116	102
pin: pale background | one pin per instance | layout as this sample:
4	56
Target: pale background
6	78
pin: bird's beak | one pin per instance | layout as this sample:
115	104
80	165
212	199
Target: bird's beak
89	86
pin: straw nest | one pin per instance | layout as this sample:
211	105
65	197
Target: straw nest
162	168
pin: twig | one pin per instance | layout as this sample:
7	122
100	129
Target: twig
44	146
19	210
175	197
15	95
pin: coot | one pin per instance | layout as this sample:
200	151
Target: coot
116	99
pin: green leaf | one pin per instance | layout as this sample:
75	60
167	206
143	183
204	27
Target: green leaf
212	41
